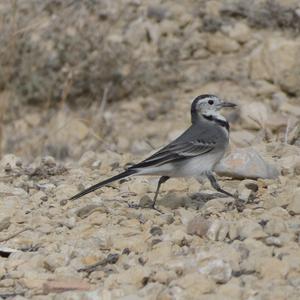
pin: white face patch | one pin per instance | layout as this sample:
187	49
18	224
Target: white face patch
209	105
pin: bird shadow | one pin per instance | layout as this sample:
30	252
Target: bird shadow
196	200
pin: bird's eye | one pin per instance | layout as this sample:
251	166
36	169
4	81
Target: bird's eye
210	102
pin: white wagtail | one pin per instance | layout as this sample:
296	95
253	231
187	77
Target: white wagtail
193	154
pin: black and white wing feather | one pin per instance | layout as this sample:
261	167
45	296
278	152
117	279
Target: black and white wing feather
193	142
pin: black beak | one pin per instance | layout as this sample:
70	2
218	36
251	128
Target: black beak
227	104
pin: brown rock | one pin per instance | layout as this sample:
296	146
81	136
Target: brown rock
198	225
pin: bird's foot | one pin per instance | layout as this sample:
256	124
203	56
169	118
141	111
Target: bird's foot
155	208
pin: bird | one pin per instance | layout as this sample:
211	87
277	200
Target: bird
194	153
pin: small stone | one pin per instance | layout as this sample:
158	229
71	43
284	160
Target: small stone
87	210
146	202
217	269
156	231
136	276
45	186
238	31
112	258
246	195
12	160
275	227
273	241
219	43
247	190
167	218
172	201
5	283
4	223
231	290
139	186
179	237
198	225
8	190
250	229
213	230
223	231
49	161
271	267
294	205
194	284
290	109
233	232
39	196
289	164
160	252
164	277
215	206
33	119
157	12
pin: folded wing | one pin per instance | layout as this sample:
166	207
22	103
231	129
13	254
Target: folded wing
190	144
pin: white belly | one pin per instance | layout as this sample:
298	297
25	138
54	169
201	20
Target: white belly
193	167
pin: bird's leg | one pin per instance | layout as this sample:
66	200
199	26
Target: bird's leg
161	180
213	181
216	186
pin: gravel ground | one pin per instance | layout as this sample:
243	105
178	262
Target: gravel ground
199	246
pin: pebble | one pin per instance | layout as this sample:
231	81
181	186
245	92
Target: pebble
217	269
198	225
219	43
12	160
273	241
4	223
247	190
250	229
294	203
194	284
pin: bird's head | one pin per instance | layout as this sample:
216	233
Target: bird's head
208	105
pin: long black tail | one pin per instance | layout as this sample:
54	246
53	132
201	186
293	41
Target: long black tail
102	183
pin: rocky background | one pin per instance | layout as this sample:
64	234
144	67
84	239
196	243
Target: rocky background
88	87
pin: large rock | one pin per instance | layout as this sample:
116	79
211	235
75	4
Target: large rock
277	59
245	163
